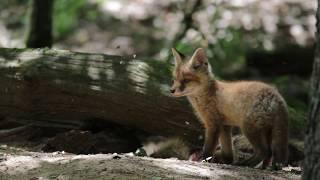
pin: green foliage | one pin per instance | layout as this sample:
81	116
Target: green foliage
185	47
92	15
227	54
66	16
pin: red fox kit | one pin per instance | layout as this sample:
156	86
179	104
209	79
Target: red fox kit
257	108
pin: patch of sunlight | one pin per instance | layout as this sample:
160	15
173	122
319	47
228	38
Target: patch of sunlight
58	81
268	45
183	168
61	160
5	36
29	55
14	63
2	60
297	31
96	57
74	67
112	6
152	147
92	157
241	3
77	157
19	164
164	89
95	87
129	9
137	73
196	168
93	70
23	57
110	74
78	56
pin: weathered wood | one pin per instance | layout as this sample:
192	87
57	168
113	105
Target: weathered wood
61	88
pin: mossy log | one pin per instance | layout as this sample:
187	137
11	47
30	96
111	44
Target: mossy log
56	88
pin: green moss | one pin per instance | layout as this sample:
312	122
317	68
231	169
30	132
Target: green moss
65	16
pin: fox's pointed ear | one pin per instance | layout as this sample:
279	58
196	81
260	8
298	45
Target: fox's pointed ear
199	58
177	56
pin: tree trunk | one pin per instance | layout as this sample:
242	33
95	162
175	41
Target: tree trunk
40	24
65	89
312	140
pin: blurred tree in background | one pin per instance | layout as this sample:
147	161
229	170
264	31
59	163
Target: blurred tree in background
40	25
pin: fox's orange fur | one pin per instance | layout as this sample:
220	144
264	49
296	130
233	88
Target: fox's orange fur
257	108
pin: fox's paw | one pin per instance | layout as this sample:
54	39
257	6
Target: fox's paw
201	157
196	156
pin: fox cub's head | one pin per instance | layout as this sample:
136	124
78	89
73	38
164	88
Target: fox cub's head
190	75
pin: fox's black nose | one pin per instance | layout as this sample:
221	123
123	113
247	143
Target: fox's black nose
172	90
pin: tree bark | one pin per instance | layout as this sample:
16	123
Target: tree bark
312	139
40	24
64	89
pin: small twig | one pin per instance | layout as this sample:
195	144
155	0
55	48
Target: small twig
12	131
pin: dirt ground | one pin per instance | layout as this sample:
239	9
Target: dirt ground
20	164
22	157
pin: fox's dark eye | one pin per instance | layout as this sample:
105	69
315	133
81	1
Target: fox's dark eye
195	67
185	80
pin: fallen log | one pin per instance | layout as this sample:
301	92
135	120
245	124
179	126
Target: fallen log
56	88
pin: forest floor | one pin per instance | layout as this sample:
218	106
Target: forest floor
39	153
18	163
